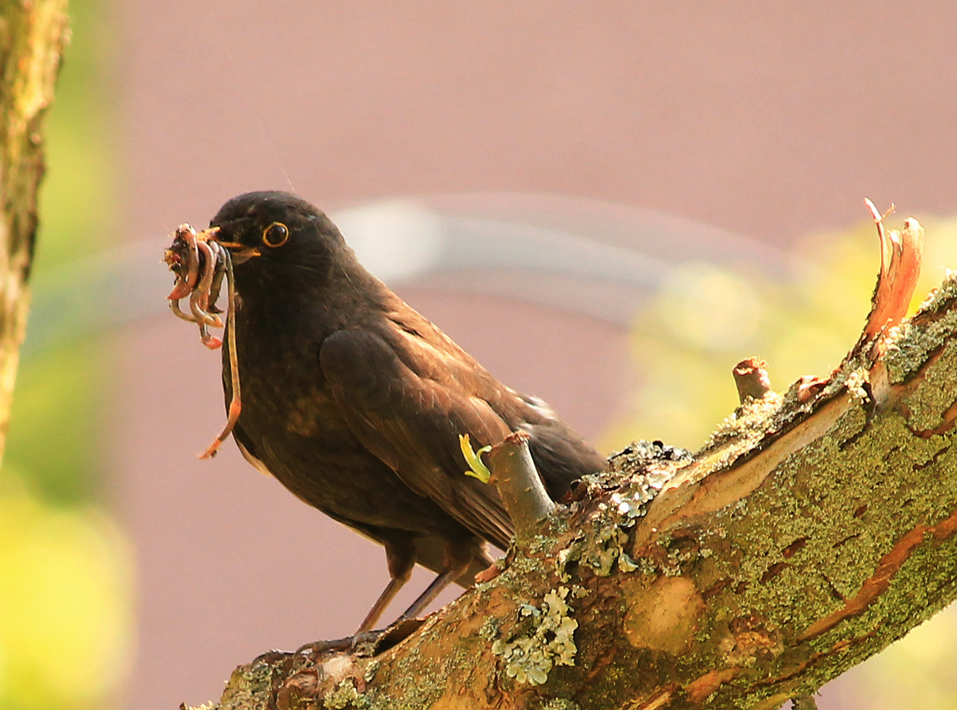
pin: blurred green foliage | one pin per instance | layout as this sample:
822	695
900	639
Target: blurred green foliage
65	614
65	590
54	440
706	320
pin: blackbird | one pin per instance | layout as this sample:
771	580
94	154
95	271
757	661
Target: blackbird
355	402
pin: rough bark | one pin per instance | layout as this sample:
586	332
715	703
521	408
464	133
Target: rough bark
814	529
32	36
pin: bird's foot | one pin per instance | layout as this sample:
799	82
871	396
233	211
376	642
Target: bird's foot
319	648
372	643
364	643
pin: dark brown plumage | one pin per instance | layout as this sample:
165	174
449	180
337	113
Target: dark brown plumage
355	402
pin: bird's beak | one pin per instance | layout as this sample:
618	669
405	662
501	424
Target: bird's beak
239	251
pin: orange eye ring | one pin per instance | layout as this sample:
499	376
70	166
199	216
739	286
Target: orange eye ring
275	235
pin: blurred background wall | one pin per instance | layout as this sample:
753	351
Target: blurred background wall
589	197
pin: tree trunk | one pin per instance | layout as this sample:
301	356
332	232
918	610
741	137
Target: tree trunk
32	36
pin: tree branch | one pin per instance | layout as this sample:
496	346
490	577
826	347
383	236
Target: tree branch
813	529
32	36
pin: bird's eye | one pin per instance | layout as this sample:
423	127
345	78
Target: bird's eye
275	235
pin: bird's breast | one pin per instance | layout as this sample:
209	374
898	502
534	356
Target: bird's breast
282	385
291	426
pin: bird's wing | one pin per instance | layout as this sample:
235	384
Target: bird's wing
412	422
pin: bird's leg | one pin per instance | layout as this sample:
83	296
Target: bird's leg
458	557
400	558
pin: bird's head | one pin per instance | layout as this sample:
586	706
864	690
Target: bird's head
263	230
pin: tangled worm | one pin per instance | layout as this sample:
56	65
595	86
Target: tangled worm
199	264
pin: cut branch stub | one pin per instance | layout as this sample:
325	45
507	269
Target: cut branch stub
751	378
520	485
